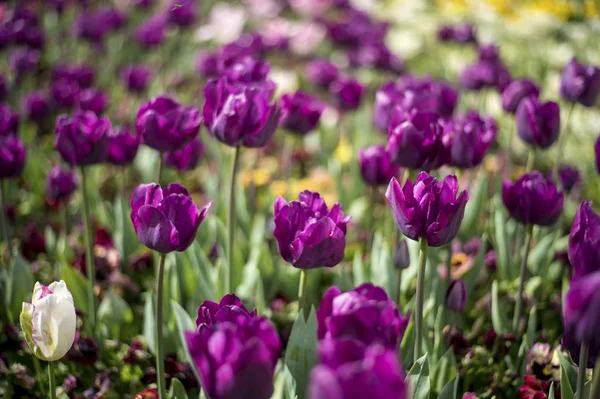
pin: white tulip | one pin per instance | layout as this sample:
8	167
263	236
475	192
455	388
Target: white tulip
49	321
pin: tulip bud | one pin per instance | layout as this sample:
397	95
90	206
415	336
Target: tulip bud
300	112
347	93
49	321
321	73
186	158
36	106
569	177
9	121
580	83
136	78
122	146
456	296
402	256
376	168
538	124
515	92
12	157
92	100
60	184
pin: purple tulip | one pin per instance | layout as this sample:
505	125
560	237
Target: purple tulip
12	157
36	106
33	242
343	315
24	61
428	209
165	219
416	140
9	121
321	73
580	83
346	93
238	114
516	91
60	184
234	351
207	64
182	13
462	33
92	100
538	124
91	27
456	296
166	125
349	370
152	32
488	71
247	45
584	241
245	70
136	78
401	255
82	74
300	112
356	28
569	177
3	88
122	146
82	138
188	157
376	167
112	17
470	138
582	317
386	99
64	92
533	199
308	233
375	55
597	154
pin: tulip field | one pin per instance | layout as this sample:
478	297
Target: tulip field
300	199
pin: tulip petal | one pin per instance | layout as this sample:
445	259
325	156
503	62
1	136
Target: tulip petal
321	244
182	213
155	231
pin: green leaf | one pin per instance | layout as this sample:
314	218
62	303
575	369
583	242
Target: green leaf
498	316
551	392
149	322
78	285
177	390
538	256
444	370
566	390
358	269
472	274
113	312
474	208
502	247
419	376
19	287
301	353
184	323
450	390
569	369
126	240
532	325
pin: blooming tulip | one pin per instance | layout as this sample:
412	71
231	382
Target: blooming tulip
346	93
321	73
376	168
300	112
60	184
82	139
580	83
470	137
122	146
538	124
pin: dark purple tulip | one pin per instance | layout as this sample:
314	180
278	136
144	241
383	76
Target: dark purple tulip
246	70
30	36
83	74
92	100
300	112
428	95
33	242
582	317
122	146
375	55
516	91
470	137
569	177
64	92
584	241
456	296
36	106
533	199
234	351
166	125
186	158
416	140
308	233
60	184
182	12
152	32
82	138
349	370
401	255
136	78
112	17
91	27
207	64
488	71
321	73
165	219
24	61
6	36
346	93
376	167
597	154
9	121
538	124
342	315
428	209
142	3
248	44
386	99
12	157
3	88
356	28
462	33
238	114
580	83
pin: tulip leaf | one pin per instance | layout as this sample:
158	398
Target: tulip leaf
177	390
532	324
78	285
471	276
474	208
301	353
566	390
419	376
113	312
149	322
184	323
444	370
450	390
125	237
551	391
569	369
498	316
19	287
358	269
538	256
502	247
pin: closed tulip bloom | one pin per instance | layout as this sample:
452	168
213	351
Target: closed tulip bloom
427	208
346	93
64	92
456	296
462	33
584	241
386	98
246	69
36	106
92	100
533	199
428	95
166	125
238	114
488	71
470	138
569	177
182	13
402	255
49	321
308	233
341	315
580	83
234	351
151	33
60	184
188	157
9	121
321	73
136	78
300	112
12	157
165	219
123	146
82	138
24	61
538	124
516	91
376	167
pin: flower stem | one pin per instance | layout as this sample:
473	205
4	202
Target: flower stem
511	135
89	255
51	380
420	299
160	167
5	233
583	360
596	382
231	220
160	361
302	293
531	160
519	305
399	298
561	141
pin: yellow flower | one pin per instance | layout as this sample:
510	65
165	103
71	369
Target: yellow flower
343	152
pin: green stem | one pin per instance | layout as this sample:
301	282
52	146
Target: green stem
511	135
399	299
596	382
89	255
561	141
531	160
51	380
231	220
519	305
160	361
420	299
581	374
5	233
38	372
160	167
302	293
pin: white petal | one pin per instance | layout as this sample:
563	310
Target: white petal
59	288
